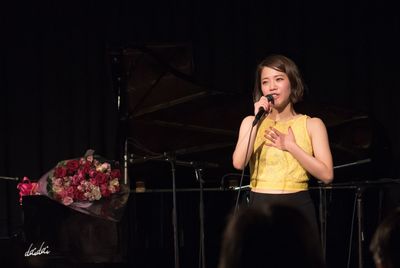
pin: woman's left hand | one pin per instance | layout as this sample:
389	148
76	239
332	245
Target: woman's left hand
278	139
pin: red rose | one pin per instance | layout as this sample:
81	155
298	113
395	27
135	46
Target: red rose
101	178
69	191
93	181
115	173
104	190
92	173
60	172
72	166
86	167
79	195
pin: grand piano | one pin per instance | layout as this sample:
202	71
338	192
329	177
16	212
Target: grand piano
171	126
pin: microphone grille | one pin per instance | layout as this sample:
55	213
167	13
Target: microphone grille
270	98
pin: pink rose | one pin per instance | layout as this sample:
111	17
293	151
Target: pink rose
67	200
89	158
76	179
57	182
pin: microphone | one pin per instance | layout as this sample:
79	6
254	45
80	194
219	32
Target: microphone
262	111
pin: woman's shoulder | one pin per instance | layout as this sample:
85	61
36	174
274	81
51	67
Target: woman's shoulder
313	120
314	123
248	120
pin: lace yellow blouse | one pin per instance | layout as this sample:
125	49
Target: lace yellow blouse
274	169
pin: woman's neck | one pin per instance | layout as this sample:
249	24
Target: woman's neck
283	115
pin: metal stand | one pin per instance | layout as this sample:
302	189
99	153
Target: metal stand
198	166
360	224
126	152
322	202
202	256
359	188
171	159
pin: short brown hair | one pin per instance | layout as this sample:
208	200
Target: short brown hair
285	65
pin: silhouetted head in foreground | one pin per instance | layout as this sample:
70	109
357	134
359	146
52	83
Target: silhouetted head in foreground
275	236
385	243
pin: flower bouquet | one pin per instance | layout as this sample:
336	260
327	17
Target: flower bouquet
89	184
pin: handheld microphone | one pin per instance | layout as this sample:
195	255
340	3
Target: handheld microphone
262	111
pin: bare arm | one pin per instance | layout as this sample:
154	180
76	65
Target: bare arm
239	160
320	165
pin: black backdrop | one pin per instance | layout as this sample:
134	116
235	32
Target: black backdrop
57	98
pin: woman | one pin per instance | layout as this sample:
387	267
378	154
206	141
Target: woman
284	147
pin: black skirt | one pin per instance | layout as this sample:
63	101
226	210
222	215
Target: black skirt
300	200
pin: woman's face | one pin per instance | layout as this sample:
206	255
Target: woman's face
276	83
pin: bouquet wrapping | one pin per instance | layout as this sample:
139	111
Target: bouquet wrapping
89	184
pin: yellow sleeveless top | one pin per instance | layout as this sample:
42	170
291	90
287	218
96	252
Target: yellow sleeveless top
271	168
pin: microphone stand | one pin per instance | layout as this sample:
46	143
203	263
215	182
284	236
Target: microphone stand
359	192
198	168
202	257
171	159
360	223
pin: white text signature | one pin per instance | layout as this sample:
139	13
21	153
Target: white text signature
36	252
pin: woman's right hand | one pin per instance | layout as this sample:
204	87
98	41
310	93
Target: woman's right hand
262	102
